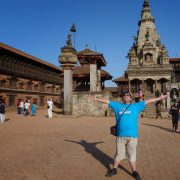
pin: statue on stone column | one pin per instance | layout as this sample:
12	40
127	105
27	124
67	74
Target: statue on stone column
69	42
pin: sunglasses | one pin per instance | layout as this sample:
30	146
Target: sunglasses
126	95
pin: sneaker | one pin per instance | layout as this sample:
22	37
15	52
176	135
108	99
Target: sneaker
112	172
135	174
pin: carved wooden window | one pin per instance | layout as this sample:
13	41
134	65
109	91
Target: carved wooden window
48	88
11	61
12	100
41	100
57	90
53	89
36	87
42	87
3	83
21	85
4	62
1	62
29	85
12	83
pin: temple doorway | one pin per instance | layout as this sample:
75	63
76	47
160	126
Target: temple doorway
150	86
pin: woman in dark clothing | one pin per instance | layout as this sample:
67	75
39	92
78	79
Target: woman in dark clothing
175	110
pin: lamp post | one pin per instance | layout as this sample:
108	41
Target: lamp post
73	29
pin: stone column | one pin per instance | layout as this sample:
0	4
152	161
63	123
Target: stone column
143	86
156	85
67	91
168	100
68	59
168	90
154	88
99	88
93	77
129	85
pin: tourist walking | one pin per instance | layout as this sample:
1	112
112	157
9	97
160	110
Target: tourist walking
21	107
26	108
18	107
127	129
29	109
50	107
33	109
175	110
2	111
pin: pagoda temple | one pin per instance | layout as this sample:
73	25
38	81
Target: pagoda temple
89	76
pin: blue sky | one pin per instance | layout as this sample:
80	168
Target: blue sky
40	27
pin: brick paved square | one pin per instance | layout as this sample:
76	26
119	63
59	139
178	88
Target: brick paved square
73	148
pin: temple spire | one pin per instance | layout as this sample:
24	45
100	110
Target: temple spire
146	3
146	24
146	12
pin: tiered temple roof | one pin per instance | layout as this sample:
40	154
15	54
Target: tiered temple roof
88	56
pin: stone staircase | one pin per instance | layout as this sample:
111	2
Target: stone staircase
150	110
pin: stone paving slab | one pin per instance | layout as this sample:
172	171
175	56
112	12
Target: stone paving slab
81	148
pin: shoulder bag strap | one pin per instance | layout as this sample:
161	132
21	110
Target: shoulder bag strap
122	113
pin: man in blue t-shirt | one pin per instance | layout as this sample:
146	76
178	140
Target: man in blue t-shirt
127	129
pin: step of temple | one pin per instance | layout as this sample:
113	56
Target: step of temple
150	110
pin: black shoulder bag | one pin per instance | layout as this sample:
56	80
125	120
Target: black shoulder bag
113	129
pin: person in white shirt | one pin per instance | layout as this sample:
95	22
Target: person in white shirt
21	106
26	107
50	107
2	111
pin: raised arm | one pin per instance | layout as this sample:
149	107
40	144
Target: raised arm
105	101
155	99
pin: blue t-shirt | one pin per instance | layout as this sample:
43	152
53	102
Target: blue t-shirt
128	123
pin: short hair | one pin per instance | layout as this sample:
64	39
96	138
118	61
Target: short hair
126	92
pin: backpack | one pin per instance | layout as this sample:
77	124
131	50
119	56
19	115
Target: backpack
2	108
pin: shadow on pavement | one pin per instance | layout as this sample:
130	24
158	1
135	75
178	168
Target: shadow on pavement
99	155
165	129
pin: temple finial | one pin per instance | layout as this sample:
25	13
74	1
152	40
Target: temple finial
146	3
87	46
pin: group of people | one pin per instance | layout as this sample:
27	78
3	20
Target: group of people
26	108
